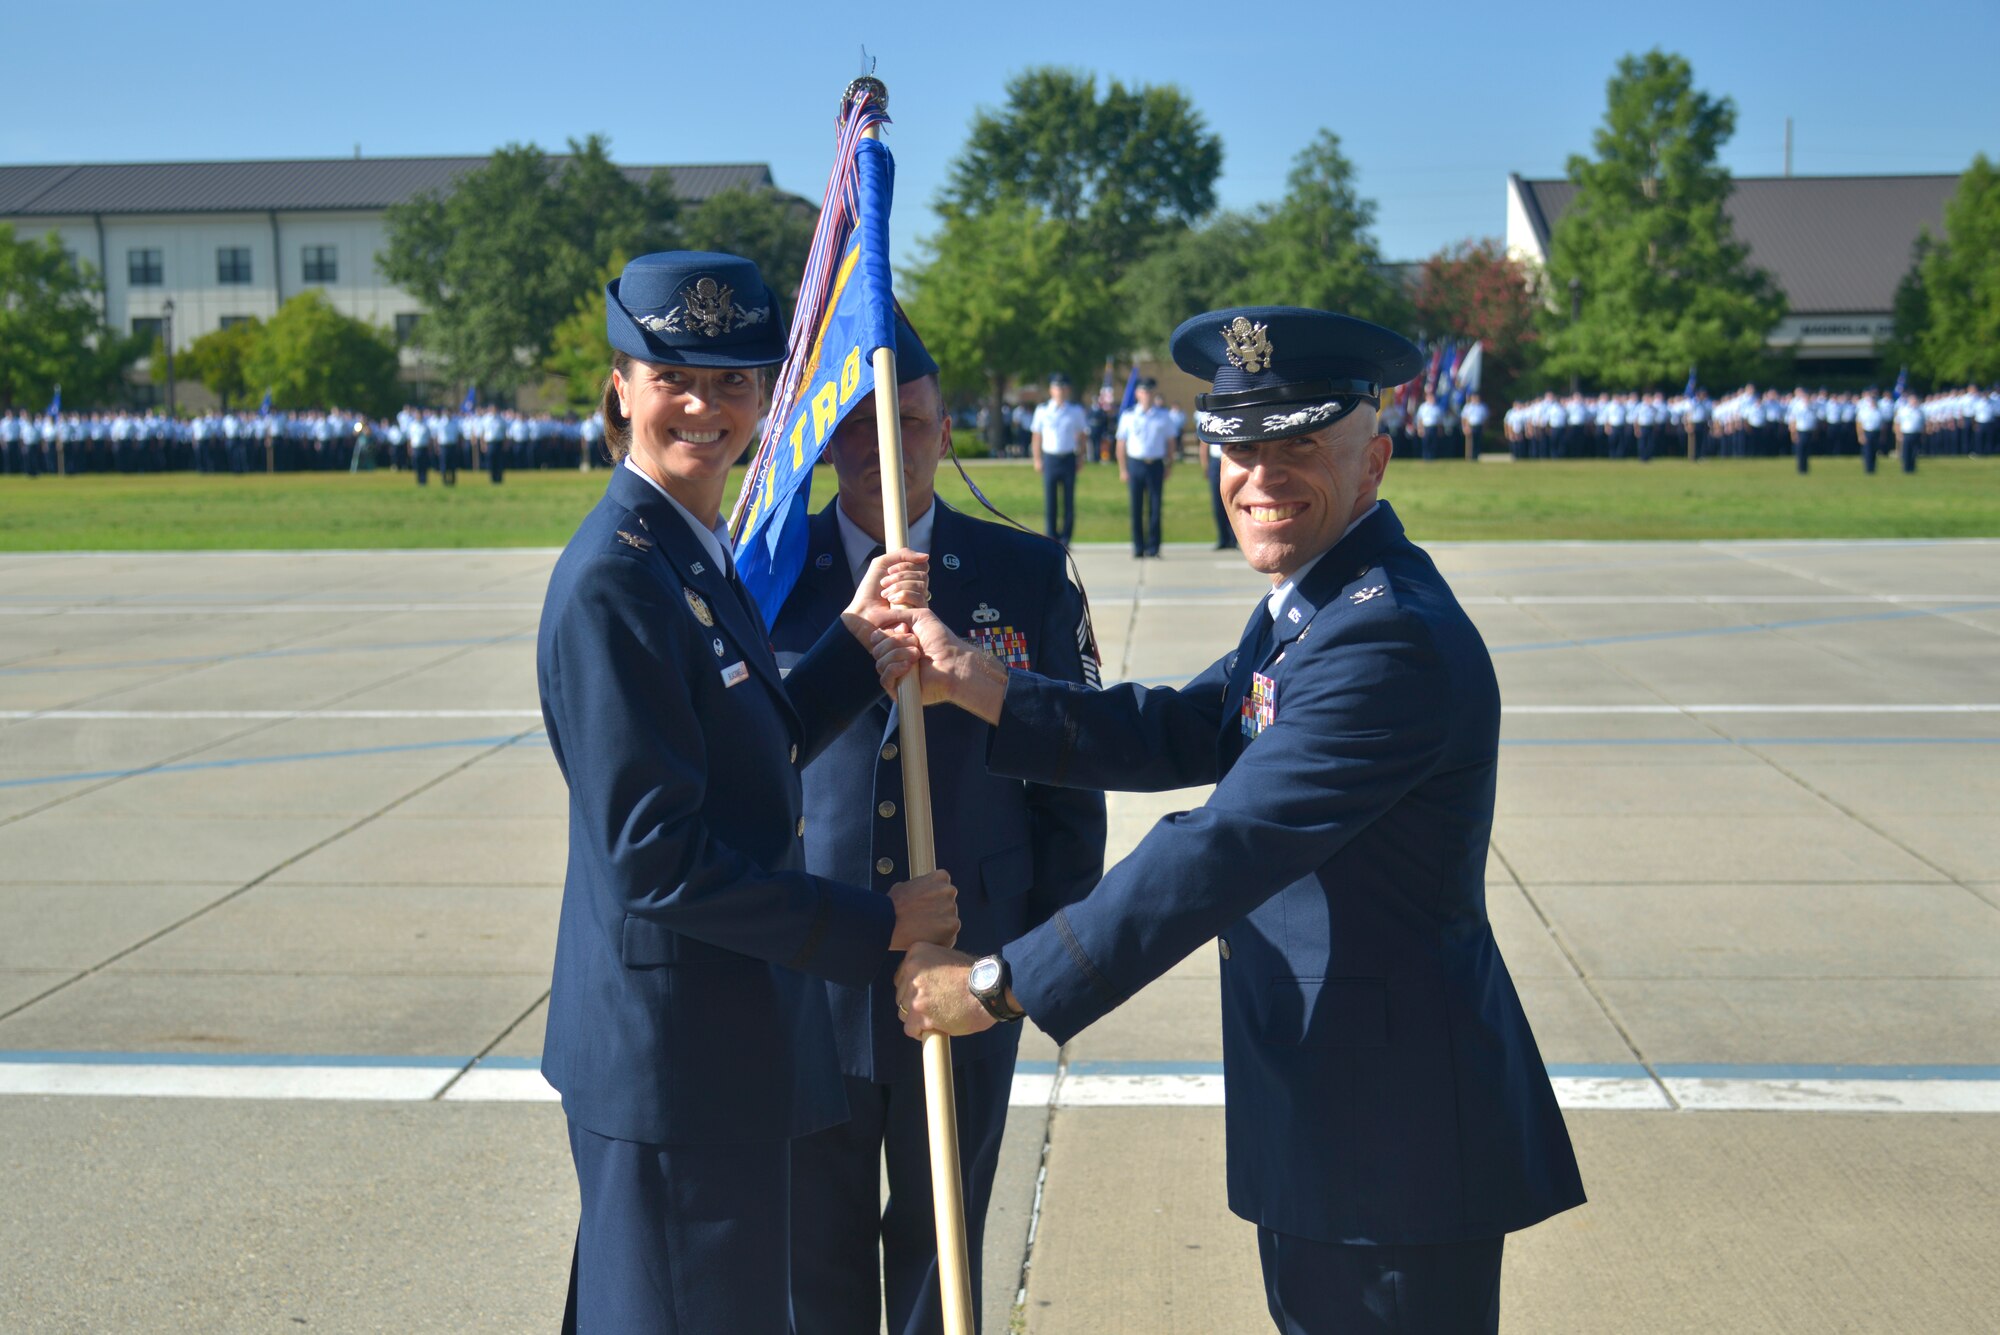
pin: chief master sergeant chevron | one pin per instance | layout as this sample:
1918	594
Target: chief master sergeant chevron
1389	1117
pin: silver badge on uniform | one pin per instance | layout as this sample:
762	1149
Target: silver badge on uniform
698	567
718	648
825	561
1372	591
735	674
985	615
950	561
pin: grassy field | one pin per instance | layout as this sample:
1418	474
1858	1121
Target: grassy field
1666	499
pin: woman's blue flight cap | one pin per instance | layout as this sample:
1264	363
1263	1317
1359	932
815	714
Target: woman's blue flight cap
694	308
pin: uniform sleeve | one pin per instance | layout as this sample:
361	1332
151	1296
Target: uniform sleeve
830	686
1350	739
636	796
1128	738
1068	824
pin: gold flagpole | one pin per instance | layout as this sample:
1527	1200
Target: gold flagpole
947	1193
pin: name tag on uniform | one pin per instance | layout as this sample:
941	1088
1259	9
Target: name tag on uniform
735	673
1260	707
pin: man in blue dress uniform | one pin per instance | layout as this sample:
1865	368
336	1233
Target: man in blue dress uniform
1389	1117
1017	851
688	1031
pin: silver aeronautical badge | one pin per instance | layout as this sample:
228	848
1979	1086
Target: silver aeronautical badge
984	614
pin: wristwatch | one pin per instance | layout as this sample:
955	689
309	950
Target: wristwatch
988	982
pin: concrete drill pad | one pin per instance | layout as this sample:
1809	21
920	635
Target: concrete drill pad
1585	787
1570	1023
419	930
1879	1021
276	1011
71	927
1776	931
1526	944
326	788
518	850
1668	849
1170	1020
197	1214
483	789
1766	1224
19	986
54	846
1965	846
1136	1240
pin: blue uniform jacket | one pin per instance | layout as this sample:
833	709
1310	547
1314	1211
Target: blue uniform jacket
1016	851
676	1014
1382	1082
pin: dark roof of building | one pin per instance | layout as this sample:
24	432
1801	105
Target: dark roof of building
1834	243
286	186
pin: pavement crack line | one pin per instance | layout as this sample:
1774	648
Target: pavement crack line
1569	957
487	1051
259	879
1017	1318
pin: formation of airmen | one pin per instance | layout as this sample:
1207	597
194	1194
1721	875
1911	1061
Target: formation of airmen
415	439
1750	422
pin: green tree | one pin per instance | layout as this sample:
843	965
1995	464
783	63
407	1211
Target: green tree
1910	316
1192	270
1474	291
217	360
1122	170
579	351
1663	282
501	259
312	356
1315	248
767	226
1960	277
999	298
51	331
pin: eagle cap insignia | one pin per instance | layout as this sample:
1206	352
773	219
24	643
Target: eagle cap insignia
699	607
710	308
1248	345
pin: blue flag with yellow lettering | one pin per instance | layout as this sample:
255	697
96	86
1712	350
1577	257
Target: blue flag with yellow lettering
846	311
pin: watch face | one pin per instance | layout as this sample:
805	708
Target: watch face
985	974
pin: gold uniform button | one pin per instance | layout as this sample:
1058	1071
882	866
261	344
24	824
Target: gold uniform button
884	865
1225	948
889	751
802	827
887	809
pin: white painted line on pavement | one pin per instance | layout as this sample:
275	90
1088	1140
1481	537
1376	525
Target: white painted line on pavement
225	1082
1912	1096
500	1084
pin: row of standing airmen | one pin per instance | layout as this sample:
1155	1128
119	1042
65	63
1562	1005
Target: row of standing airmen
416	440
1748	423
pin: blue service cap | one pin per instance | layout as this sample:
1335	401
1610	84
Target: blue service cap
694	308
1281	371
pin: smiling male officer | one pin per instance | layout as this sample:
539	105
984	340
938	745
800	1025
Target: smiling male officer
1019	850
1389	1117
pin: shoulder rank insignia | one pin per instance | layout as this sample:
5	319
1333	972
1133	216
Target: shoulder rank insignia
1248	346
1372	591
699	607
1005	643
634	540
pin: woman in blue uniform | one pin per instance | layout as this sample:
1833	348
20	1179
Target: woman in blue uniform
688	1042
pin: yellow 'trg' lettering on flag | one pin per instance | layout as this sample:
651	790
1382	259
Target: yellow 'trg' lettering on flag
850	375
799	443
823	411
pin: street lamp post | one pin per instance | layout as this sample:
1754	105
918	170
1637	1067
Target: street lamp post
167	326
1575	314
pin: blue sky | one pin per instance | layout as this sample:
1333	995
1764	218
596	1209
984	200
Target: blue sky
1435	103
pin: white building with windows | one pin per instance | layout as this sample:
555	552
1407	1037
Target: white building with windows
226	241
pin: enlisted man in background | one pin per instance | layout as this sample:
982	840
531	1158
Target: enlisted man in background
1059	434
1145	457
1909	431
1389	1118
688	1031
1017	851
1868	418
1472	422
1430	424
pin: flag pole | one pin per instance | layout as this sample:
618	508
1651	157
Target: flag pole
947	1192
